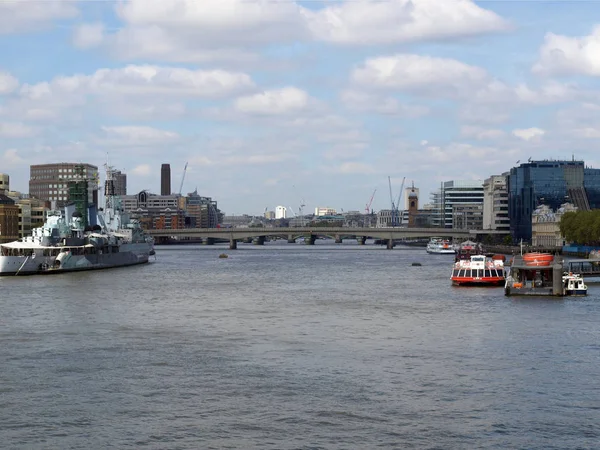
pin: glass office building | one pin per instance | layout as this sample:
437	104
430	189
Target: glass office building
550	183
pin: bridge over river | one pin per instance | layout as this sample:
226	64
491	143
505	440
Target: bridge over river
259	235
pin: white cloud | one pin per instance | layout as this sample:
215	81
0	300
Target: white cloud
365	102
88	35
480	133
8	83
397	21
352	167
424	74
12	158
142	170
231	30
564	55
144	80
139	135
29	15
200	31
273	102
529	134
15	130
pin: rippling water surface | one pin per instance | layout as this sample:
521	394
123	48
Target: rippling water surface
293	347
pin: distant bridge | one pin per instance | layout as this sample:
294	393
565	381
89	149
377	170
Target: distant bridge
259	235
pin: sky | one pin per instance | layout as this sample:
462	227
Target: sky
282	102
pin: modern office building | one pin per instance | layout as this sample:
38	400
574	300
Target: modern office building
165	179
51	181
203	211
550	183
495	203
461	200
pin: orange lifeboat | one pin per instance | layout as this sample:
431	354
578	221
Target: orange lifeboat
538	259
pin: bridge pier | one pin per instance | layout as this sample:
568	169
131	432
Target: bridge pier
338	239
208	241
291	239
232	244
362	240
260	240
310	239
390	244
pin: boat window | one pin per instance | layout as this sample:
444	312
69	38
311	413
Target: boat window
487	273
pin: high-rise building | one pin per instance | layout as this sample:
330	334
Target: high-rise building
120	183
495	203
550	183
462	201
165	179
280	212
51	181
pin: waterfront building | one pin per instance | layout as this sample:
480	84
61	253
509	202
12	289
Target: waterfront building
51	182
165	179
9	219
551	183
280	212
32	212
156	211
325	211
269	215
545	225
436	206
495	203
456	199
203	211
467	216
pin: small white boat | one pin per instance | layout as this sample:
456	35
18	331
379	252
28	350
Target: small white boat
440	245
573	284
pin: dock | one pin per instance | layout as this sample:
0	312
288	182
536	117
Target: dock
584	267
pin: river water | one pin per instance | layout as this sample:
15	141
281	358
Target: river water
293	347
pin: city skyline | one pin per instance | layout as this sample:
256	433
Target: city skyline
289	103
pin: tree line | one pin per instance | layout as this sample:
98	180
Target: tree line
581	227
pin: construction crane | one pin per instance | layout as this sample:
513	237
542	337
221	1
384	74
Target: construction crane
396	219
368	205
398	210
182	178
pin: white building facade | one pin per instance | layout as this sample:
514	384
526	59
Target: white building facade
280	212
324	211
495	203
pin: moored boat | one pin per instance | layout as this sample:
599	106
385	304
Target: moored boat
573	284
69	241
478	270
440	246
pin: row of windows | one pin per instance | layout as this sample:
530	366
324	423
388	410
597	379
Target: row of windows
477	273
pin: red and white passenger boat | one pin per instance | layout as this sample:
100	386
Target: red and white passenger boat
479	270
